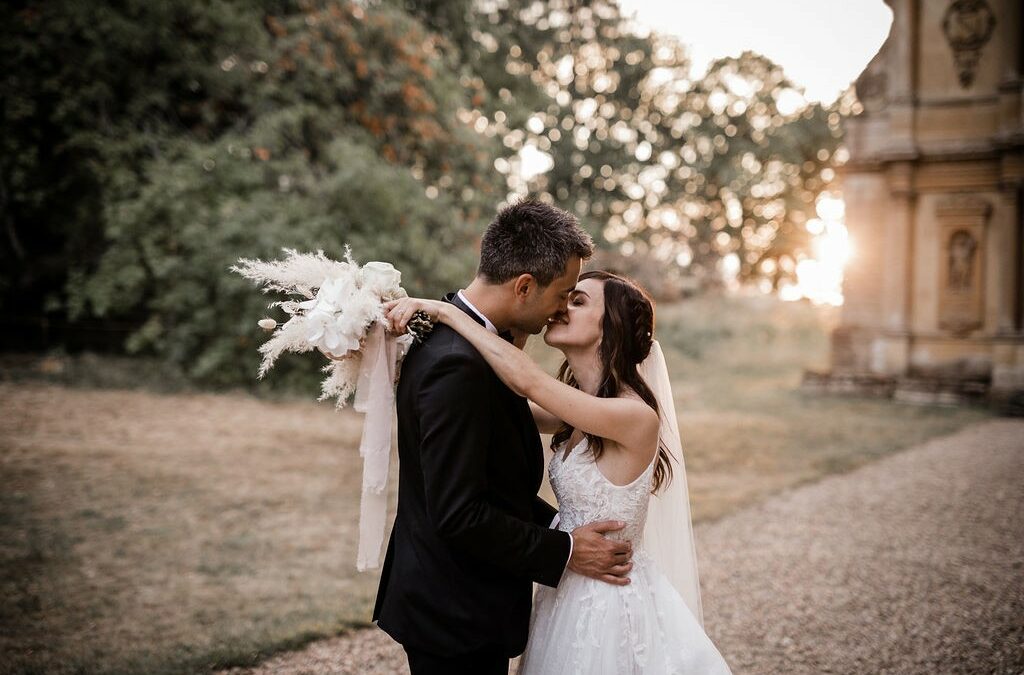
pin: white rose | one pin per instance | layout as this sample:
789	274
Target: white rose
382	277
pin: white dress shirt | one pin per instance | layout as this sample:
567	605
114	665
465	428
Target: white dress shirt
492	328
487	322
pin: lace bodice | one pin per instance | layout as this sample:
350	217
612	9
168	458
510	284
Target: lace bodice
585	626
585	495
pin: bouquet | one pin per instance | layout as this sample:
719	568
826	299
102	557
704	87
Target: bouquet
337	307
341	304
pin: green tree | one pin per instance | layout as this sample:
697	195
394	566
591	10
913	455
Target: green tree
91	92
663	170
147	145
737	162
313	125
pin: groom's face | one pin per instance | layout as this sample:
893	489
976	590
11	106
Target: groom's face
543	303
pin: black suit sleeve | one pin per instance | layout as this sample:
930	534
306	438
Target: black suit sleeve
543	513
455	405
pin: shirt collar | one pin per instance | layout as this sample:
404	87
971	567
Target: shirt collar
487	322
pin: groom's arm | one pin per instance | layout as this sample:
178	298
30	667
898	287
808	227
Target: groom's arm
543	513
455	406
546	515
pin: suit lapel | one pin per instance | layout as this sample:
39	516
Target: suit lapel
515	407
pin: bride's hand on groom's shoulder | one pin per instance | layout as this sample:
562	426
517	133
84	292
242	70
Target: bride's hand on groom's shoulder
598	557
399	312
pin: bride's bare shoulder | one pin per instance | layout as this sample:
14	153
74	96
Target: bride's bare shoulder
629	394
646	418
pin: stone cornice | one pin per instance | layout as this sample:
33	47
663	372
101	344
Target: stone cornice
979	172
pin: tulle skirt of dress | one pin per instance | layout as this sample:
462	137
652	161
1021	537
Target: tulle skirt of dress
588	627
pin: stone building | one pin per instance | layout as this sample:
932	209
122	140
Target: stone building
933	191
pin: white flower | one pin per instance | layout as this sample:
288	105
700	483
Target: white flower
381	277
267	324
332	295
327	325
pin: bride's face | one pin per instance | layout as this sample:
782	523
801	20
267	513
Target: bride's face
579	327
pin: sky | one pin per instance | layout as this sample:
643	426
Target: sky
822	45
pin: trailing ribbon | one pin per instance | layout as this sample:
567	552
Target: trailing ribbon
375	396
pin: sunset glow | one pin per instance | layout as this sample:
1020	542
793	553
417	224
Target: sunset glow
820	275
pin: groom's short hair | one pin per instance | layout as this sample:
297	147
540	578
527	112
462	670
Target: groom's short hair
531	237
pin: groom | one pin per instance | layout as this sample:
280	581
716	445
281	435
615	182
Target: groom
471	535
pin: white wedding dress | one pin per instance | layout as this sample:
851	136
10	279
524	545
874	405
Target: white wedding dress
589	627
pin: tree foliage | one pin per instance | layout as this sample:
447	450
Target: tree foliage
666	172
146	145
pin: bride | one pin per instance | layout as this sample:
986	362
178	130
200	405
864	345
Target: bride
617	456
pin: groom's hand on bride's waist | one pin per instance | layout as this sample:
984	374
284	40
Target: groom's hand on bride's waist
596	556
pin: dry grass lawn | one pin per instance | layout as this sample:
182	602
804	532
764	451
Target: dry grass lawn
152	533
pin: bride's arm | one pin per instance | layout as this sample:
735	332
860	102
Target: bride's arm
627	421
545	421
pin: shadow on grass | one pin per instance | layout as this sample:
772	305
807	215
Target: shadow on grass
243	654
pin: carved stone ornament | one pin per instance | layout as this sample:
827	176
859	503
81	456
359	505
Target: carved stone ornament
968	25
872	86
963	223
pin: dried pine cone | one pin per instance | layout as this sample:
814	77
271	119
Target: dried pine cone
420	325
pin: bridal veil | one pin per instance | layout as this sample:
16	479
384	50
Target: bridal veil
668	535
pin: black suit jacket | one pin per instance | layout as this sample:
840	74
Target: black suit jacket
471	534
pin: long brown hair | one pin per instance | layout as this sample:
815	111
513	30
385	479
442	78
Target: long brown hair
627	336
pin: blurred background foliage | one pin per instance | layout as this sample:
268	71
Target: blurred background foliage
145	145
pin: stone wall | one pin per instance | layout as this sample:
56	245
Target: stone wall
933	202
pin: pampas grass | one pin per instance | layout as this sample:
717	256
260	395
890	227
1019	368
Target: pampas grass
300	273
290	336
341	379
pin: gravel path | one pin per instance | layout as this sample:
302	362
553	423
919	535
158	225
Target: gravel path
912	564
